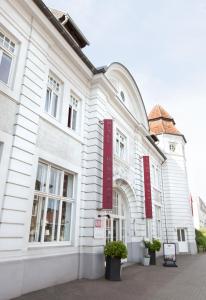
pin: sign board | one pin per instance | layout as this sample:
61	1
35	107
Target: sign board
99	229
169	251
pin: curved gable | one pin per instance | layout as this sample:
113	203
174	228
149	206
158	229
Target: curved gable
127	91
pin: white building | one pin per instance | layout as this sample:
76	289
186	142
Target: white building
199	212
53	103
179	222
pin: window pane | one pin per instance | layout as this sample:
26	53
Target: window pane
48	100
74	119
121	150
37	219
183	235
54	182
65	225
54	105
41	178
68	185
178	235
69	117
52	217
5	66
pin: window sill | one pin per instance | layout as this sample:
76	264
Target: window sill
48	245
50	119
8	91
122	161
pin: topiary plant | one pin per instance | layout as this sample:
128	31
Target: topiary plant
115	249
153	246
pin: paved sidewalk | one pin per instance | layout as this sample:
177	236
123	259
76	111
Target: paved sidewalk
187	282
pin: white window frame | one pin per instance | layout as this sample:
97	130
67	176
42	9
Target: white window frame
158	221
54	86
172	147
120	139
59	198
9	51
118	215
74	105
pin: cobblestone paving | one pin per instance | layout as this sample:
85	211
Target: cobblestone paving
187	282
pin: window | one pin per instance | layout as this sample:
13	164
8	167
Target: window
73	113
52	206
52	96
7	53
172	147
156	177
122	96
158	220
120	144
116	225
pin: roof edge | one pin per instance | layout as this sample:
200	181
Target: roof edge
49	15
150	139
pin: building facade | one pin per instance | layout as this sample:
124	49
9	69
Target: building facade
178	211
54	104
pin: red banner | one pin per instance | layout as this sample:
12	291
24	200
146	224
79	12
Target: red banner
147	188
107	164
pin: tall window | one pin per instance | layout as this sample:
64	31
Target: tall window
7	52
158	220
116	225
73	113
52	206
120	144
52	96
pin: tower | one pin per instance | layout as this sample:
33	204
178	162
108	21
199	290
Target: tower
178	224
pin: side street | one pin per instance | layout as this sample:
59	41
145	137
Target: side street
187	282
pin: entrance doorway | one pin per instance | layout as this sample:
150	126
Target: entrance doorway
116	225
182	239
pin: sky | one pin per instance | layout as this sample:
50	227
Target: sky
163	44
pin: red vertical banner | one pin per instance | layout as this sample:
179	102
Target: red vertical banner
147	188
107	164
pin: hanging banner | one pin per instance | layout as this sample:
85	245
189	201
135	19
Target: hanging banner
107	164
147	188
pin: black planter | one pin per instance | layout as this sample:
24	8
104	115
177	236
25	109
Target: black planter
152	257
113	268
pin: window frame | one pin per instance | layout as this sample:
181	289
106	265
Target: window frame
47	195
172	147
11	54
73	107
53	91
158	229
118	136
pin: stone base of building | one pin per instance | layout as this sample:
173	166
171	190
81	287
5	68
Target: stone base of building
24	275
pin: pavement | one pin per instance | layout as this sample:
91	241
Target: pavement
187	282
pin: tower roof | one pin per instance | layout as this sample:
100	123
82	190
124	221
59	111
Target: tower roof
160	122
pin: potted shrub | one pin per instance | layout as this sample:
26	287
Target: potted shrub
153	246
114	251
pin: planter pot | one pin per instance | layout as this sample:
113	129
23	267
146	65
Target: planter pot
113	268
152	258
146	261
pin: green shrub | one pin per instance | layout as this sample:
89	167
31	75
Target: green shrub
115	249
200	236
153	246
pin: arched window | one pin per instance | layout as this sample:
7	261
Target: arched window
116	225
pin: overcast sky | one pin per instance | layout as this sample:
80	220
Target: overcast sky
163	44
